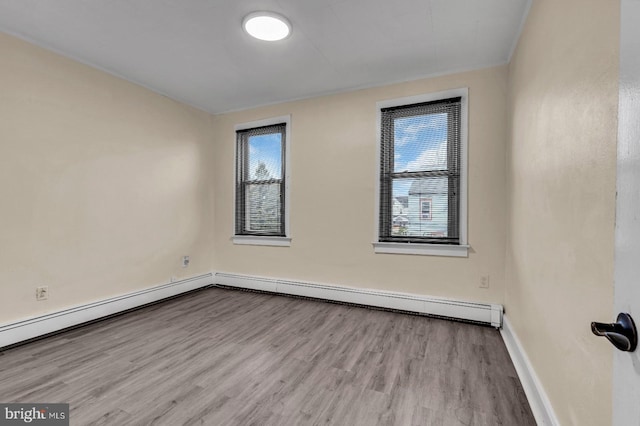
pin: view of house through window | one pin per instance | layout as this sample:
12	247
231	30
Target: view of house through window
260	182
420	172
425	209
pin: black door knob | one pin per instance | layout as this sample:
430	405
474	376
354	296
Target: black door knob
622	333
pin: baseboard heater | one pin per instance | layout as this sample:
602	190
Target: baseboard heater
483	313
30	328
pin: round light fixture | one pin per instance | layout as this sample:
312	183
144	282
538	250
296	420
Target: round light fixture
268	26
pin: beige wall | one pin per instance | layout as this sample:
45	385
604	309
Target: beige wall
561	174
333	158
104	185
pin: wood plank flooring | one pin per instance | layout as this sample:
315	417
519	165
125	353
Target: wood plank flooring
227	357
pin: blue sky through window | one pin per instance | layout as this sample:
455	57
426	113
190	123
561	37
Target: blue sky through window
266	149
420	144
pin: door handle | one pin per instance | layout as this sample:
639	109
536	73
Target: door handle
622	333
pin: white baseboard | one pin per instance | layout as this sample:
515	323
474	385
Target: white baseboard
480	312
538	399
38	326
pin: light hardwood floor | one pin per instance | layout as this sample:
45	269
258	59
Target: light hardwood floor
227	357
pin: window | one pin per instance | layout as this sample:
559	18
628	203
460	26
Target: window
425	209
262	183
423	166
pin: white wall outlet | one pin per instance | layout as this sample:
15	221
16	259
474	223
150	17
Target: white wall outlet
484	281
42	293
185	261
174	279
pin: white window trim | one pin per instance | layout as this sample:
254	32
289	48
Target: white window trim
256	240
457	250
426	249
266	240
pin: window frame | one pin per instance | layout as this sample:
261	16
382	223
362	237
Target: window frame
265	240
425	248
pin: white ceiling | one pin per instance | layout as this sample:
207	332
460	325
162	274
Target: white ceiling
195	51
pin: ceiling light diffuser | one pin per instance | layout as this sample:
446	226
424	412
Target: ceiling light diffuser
268	26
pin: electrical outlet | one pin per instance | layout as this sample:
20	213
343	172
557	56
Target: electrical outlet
174	279
185	261
484	281
42	293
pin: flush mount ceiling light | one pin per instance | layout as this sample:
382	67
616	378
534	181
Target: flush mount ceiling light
268	26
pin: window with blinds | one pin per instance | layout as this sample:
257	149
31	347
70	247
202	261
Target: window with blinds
420	173
260	181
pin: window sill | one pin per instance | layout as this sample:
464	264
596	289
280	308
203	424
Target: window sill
422	249
254	240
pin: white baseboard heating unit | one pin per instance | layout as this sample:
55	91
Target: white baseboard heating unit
30	328
484	313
